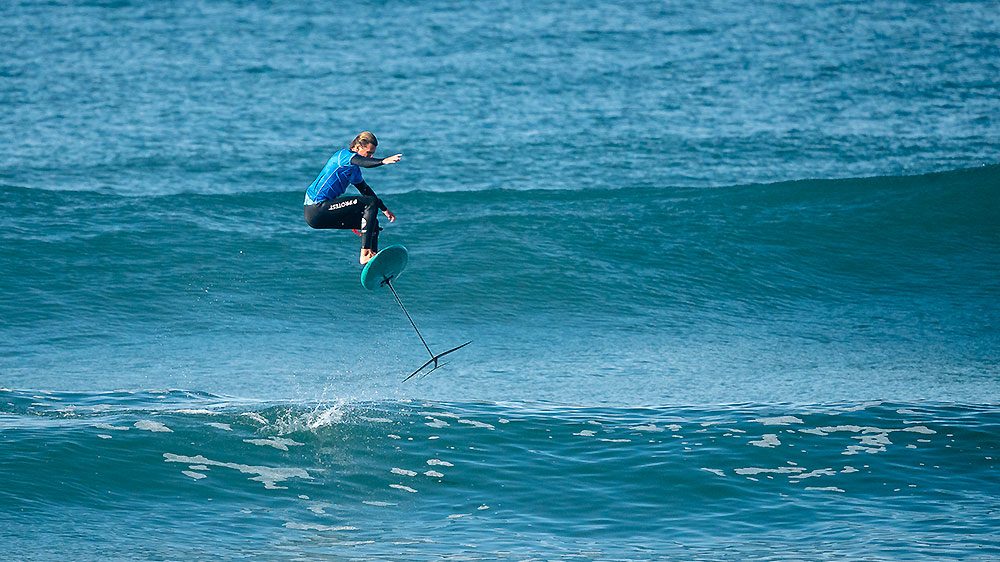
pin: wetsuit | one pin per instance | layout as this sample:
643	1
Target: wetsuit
326	206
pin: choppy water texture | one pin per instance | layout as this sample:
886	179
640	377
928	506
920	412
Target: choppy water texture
213	477
730	272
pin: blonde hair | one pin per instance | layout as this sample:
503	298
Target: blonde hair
364	138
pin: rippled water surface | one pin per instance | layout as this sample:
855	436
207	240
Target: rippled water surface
729	270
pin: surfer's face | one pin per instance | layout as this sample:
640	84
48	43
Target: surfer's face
366	150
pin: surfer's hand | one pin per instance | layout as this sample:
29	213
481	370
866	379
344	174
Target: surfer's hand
388	214
392	159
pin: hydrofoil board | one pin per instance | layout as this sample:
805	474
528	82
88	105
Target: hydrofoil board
385	267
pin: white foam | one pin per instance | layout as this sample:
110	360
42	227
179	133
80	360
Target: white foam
403	472
780	420
439	415
222	426
194	475
715	471
649	427
814	473
104	436
379	504
768	440
330	416
826	489
319	508
872	439
434	474
315	527
870	443
751	471
279	443
438	462
269	476
861	407
826	430
585	433
437	424
478	424
110	427
403	488
814	431
154	426
255	417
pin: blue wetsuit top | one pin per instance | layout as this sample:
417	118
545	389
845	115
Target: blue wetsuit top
332	181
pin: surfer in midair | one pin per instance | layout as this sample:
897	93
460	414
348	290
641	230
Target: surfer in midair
326	206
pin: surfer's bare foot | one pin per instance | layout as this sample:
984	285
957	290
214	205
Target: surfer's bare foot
366	255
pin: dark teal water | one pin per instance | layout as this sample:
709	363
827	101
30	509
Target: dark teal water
180	475
730	272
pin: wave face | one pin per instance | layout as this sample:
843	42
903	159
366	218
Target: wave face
807	291
413	479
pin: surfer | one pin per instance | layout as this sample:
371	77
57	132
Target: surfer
326	206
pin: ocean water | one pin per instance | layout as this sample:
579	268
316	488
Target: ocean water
730	272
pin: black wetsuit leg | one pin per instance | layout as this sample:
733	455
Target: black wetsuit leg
359	211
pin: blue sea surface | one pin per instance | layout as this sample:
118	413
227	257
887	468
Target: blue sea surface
730	272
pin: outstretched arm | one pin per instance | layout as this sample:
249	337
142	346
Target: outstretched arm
366	162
